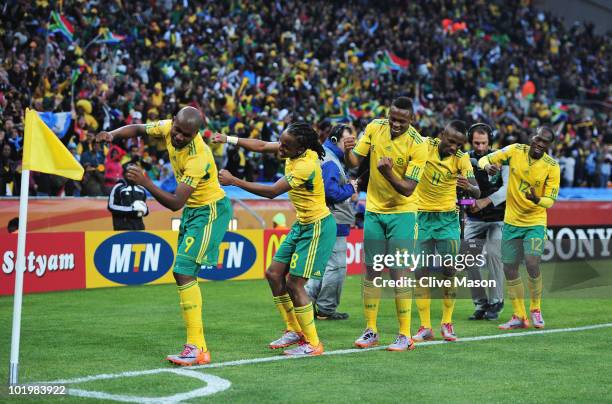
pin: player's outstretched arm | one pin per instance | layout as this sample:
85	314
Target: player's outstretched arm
492	162
123	132
267	191
485	164
174	202
254	145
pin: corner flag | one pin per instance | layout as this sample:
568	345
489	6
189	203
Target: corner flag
43	152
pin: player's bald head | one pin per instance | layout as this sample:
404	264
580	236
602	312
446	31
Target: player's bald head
545	133
189	119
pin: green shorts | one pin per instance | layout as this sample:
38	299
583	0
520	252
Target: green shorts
386	233
439	231
200	235
307	247
520	241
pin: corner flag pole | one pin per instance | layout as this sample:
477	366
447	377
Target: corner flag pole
19	272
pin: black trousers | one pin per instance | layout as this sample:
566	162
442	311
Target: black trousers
127	223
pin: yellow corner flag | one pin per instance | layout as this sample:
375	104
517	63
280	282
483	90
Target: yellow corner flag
44	152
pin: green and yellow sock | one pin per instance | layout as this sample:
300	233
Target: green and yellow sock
423	303
371	301
403	309
191	306
535	290
285	308
516	293
448	304
305	316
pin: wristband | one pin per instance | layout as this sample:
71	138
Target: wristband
232	139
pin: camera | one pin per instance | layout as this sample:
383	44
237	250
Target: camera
464	198
492	178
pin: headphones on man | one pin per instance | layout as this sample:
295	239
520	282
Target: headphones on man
336	133
483	127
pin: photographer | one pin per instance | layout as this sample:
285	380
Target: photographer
483	227
128	204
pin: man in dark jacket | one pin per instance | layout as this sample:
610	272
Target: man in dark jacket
484	224
128	204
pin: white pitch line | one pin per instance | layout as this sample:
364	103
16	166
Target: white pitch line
336	352
214	384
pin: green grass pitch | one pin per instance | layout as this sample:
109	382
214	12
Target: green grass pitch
81	333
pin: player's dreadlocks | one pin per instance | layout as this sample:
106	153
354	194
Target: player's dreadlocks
306	137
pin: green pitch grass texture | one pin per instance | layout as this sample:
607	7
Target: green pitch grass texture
81	333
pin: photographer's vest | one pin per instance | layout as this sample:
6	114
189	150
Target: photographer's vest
342	211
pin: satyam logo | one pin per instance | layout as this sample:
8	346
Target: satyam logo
133	258
237	255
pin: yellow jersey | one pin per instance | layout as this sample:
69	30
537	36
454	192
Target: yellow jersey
409	154
307	193
543	174
438	188
193	165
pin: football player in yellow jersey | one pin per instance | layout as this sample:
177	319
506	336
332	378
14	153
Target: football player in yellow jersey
306	249
447	168
205	219
325	292
532	188
397	159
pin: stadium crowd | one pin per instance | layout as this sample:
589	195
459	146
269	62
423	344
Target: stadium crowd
253	66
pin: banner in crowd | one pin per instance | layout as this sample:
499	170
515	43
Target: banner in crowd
58	122
52	263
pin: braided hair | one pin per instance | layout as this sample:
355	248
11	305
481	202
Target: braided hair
306	137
